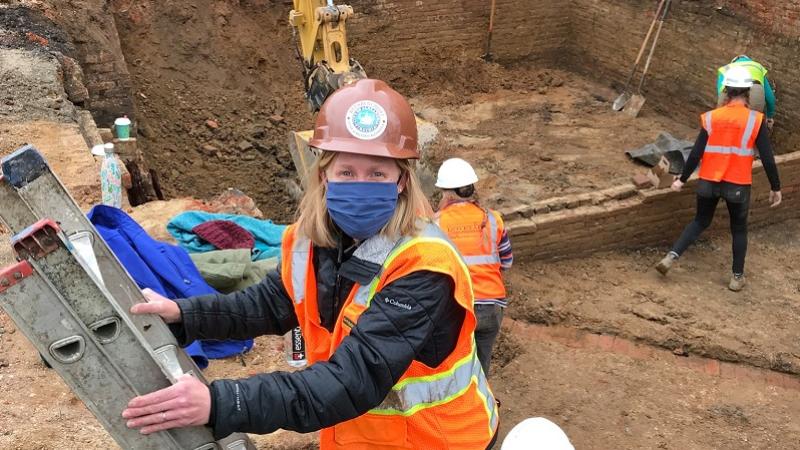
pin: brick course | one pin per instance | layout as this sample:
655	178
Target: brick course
444	29
650	217
94	33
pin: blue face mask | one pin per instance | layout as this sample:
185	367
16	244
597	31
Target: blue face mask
361	209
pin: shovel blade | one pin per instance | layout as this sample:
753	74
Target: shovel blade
621	101
634	105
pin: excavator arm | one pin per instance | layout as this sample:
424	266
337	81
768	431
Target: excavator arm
321	33
320	30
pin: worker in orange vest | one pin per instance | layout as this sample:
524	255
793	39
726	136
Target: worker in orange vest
481	237
726	147
382	297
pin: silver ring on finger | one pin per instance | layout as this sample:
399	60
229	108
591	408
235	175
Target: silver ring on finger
163	416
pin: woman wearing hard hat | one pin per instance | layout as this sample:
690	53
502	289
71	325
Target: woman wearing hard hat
383	300
480	236
761	96
726	147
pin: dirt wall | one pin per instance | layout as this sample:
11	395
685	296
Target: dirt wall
697	38
623	218
218	88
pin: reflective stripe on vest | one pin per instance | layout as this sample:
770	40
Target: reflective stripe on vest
494	256
302	247
414	394
707	121
722	150
743	149
748	131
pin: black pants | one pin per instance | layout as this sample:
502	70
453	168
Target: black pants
489	319
737	198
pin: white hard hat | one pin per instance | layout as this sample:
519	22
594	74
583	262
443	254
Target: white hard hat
738	77
455	173
536	433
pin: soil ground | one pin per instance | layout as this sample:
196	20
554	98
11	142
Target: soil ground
602	398
689	311
197	62
215	106
65	150
541	134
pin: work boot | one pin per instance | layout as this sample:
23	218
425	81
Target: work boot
737	283
665	264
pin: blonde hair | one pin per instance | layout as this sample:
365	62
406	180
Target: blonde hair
314	222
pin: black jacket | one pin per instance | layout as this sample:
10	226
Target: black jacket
363	368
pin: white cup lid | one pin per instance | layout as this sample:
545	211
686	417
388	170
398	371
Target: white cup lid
122	121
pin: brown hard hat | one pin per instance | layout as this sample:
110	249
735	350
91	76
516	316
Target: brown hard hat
369	118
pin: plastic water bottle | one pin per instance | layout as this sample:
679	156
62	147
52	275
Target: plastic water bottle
111	179
295	347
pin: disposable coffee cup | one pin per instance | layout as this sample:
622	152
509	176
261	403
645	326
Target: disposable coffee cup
122	126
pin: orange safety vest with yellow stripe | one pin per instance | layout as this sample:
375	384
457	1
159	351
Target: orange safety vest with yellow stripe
449	406
476	233
729	153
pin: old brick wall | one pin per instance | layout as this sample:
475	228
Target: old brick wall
622	217
90	27
105	68
697	38
390	36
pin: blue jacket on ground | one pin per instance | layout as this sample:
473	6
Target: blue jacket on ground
164	268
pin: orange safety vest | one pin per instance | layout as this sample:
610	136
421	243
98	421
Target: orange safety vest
476	233
449	406
732	132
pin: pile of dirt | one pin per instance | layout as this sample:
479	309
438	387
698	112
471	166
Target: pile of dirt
39	77
218	88
215	105
29	29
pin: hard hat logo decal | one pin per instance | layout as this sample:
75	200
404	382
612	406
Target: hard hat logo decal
366	120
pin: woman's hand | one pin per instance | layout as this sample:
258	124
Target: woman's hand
157	304
187	403
677	185
775	198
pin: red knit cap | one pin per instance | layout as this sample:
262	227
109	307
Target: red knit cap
224	234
